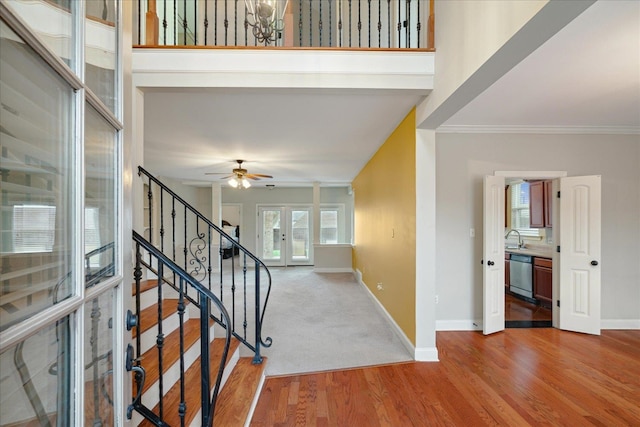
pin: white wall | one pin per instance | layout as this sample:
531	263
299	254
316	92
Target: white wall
252	197
463	160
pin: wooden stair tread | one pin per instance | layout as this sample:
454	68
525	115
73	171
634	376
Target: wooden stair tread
149	316
192	386
171	352
145	285
236	397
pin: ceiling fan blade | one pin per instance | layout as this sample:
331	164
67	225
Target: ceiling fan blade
258	175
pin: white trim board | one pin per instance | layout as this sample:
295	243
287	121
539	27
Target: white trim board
548	130
476	325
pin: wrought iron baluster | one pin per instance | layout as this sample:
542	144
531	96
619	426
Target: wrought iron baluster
408	24
150	202
330	26
215	23
388	23
244	275
233	286
350	23
206	21
399	22
160	342
182	406
220	258
161	220
205	389
419	25
226	22
184	250
175	22
246	27
369	24
340	24
195	24
257	358
164	21
300	23
184	22
379	22
209	266
173	226
310	23
235	22
320	24
359	23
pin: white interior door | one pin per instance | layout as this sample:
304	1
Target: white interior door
493	255
580	254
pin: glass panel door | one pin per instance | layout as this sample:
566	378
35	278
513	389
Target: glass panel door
299	230
272	235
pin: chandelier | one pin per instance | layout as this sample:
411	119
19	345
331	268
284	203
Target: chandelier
266	18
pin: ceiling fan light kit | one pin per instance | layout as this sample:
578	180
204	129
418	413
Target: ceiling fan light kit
239	177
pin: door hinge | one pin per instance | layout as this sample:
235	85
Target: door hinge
558	194
558	303
558	249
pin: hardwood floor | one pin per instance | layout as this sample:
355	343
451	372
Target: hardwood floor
519	377
517	309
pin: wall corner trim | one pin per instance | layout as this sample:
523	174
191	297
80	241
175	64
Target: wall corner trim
427	354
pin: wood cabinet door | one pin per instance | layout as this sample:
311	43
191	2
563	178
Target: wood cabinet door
542	280
548	200
536	204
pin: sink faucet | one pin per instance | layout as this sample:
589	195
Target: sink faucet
513	230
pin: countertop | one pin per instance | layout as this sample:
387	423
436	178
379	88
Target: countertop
536	252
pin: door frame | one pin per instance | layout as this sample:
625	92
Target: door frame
555	214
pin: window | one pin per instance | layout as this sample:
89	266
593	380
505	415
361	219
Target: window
520	205
520	209
332	224
33	228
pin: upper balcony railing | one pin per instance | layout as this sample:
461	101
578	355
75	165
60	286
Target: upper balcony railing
364	24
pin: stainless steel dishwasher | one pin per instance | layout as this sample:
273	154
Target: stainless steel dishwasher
521	275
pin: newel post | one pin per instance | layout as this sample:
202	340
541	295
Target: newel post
151	24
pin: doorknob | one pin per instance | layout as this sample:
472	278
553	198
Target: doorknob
490	263
594	262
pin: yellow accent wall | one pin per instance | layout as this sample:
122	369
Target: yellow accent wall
385	225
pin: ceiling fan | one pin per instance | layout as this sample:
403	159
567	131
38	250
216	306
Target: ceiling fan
239	176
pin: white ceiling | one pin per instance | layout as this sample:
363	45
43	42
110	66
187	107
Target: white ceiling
587	75
299	137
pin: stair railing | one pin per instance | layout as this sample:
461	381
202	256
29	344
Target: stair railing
187	237
207	303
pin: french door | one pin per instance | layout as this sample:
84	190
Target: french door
285	235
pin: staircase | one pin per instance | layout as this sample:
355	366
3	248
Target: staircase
186	362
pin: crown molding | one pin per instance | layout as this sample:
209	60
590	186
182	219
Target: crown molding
599	130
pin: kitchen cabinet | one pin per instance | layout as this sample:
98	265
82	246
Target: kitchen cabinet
540	203
507	272
548	200
542	280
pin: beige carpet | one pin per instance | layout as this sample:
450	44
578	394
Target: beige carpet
323	321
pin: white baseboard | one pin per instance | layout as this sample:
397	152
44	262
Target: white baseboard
458	325
399	332
427	354
620	324
332	270
476	325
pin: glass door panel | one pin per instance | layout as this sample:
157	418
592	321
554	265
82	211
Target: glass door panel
272	249
299	232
